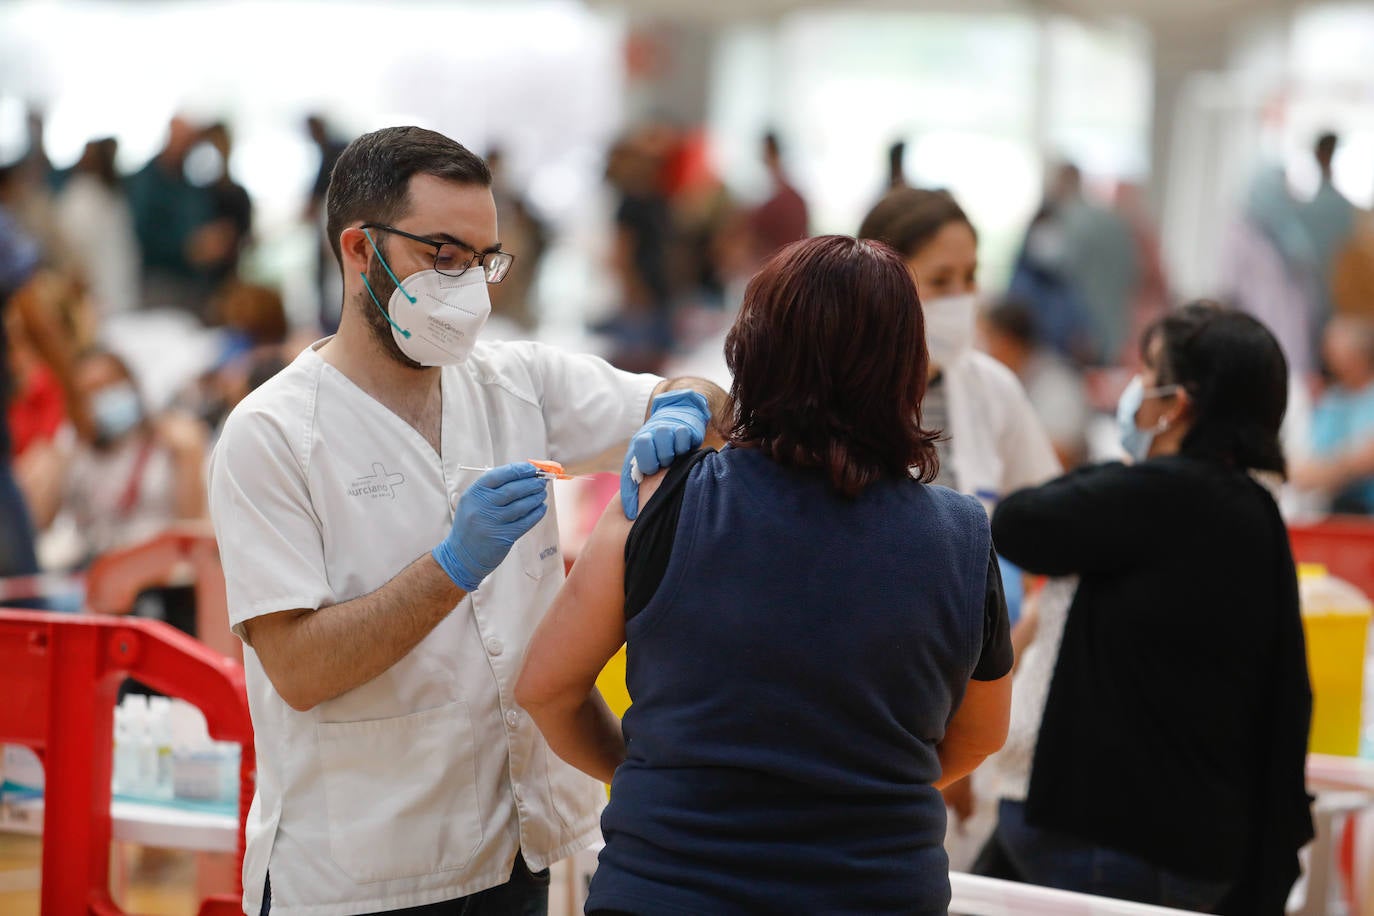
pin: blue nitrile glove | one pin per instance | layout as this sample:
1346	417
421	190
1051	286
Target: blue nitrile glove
500	506
676	427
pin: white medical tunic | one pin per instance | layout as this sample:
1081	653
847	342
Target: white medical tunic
422	784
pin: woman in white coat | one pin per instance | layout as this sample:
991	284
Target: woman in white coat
993	444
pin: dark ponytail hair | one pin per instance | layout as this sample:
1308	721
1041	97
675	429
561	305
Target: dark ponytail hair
1236	377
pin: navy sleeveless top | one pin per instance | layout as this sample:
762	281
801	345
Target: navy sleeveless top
791	678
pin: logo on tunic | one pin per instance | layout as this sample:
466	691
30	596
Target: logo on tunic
378	485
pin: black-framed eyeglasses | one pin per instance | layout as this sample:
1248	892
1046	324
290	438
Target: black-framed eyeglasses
453	257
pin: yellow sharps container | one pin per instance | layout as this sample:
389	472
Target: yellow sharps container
611	683
1335	617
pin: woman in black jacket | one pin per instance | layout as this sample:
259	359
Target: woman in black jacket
1170	763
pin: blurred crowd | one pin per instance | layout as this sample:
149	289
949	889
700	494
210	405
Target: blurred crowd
131	327
129	333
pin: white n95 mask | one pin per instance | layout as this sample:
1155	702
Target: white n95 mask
950	322
435	318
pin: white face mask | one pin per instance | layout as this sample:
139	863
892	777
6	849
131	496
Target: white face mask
950	322
435	318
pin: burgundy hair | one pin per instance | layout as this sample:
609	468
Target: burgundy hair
830	364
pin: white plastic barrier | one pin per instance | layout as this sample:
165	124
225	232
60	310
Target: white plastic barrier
973	896
976	896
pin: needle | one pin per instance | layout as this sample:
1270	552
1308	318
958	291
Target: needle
544	474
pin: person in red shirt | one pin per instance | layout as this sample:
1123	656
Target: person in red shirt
782	218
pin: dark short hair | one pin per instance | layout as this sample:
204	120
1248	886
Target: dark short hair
371	179
1325	146
908	218
896	156
1235	374
771	144
829	361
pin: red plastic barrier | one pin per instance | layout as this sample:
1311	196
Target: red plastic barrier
59	676
1343	544
115	579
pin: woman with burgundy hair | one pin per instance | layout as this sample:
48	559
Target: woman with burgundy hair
817	639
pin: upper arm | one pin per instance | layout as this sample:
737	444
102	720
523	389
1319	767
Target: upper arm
585	625
981	721
269	538
269	632
1089	520
996	655
590	408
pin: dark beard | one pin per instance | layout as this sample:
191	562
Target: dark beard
382	288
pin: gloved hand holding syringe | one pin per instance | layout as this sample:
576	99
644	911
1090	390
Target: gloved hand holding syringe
494	512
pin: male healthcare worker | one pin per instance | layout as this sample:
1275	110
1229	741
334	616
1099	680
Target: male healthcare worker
384	594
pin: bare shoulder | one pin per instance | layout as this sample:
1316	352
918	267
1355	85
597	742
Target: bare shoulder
649	486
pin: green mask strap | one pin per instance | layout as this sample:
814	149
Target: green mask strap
367	283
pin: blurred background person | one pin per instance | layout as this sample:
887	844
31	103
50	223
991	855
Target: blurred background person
328	147
991	442
1342	462
641	329
1352	271
782	218
523	234
896	166
252	316
1053	384
1170	770
231	228
1097	258
1269	267
752	777
173	219
27	307
32	182
1329	219
1151	299
61	322
704	213
97	229
19	259
1041	279
254	339
135	474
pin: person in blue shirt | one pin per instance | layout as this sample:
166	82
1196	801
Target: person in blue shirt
816	636
1343	420
1329	219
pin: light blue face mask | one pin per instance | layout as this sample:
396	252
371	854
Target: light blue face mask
115	410
1134	440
